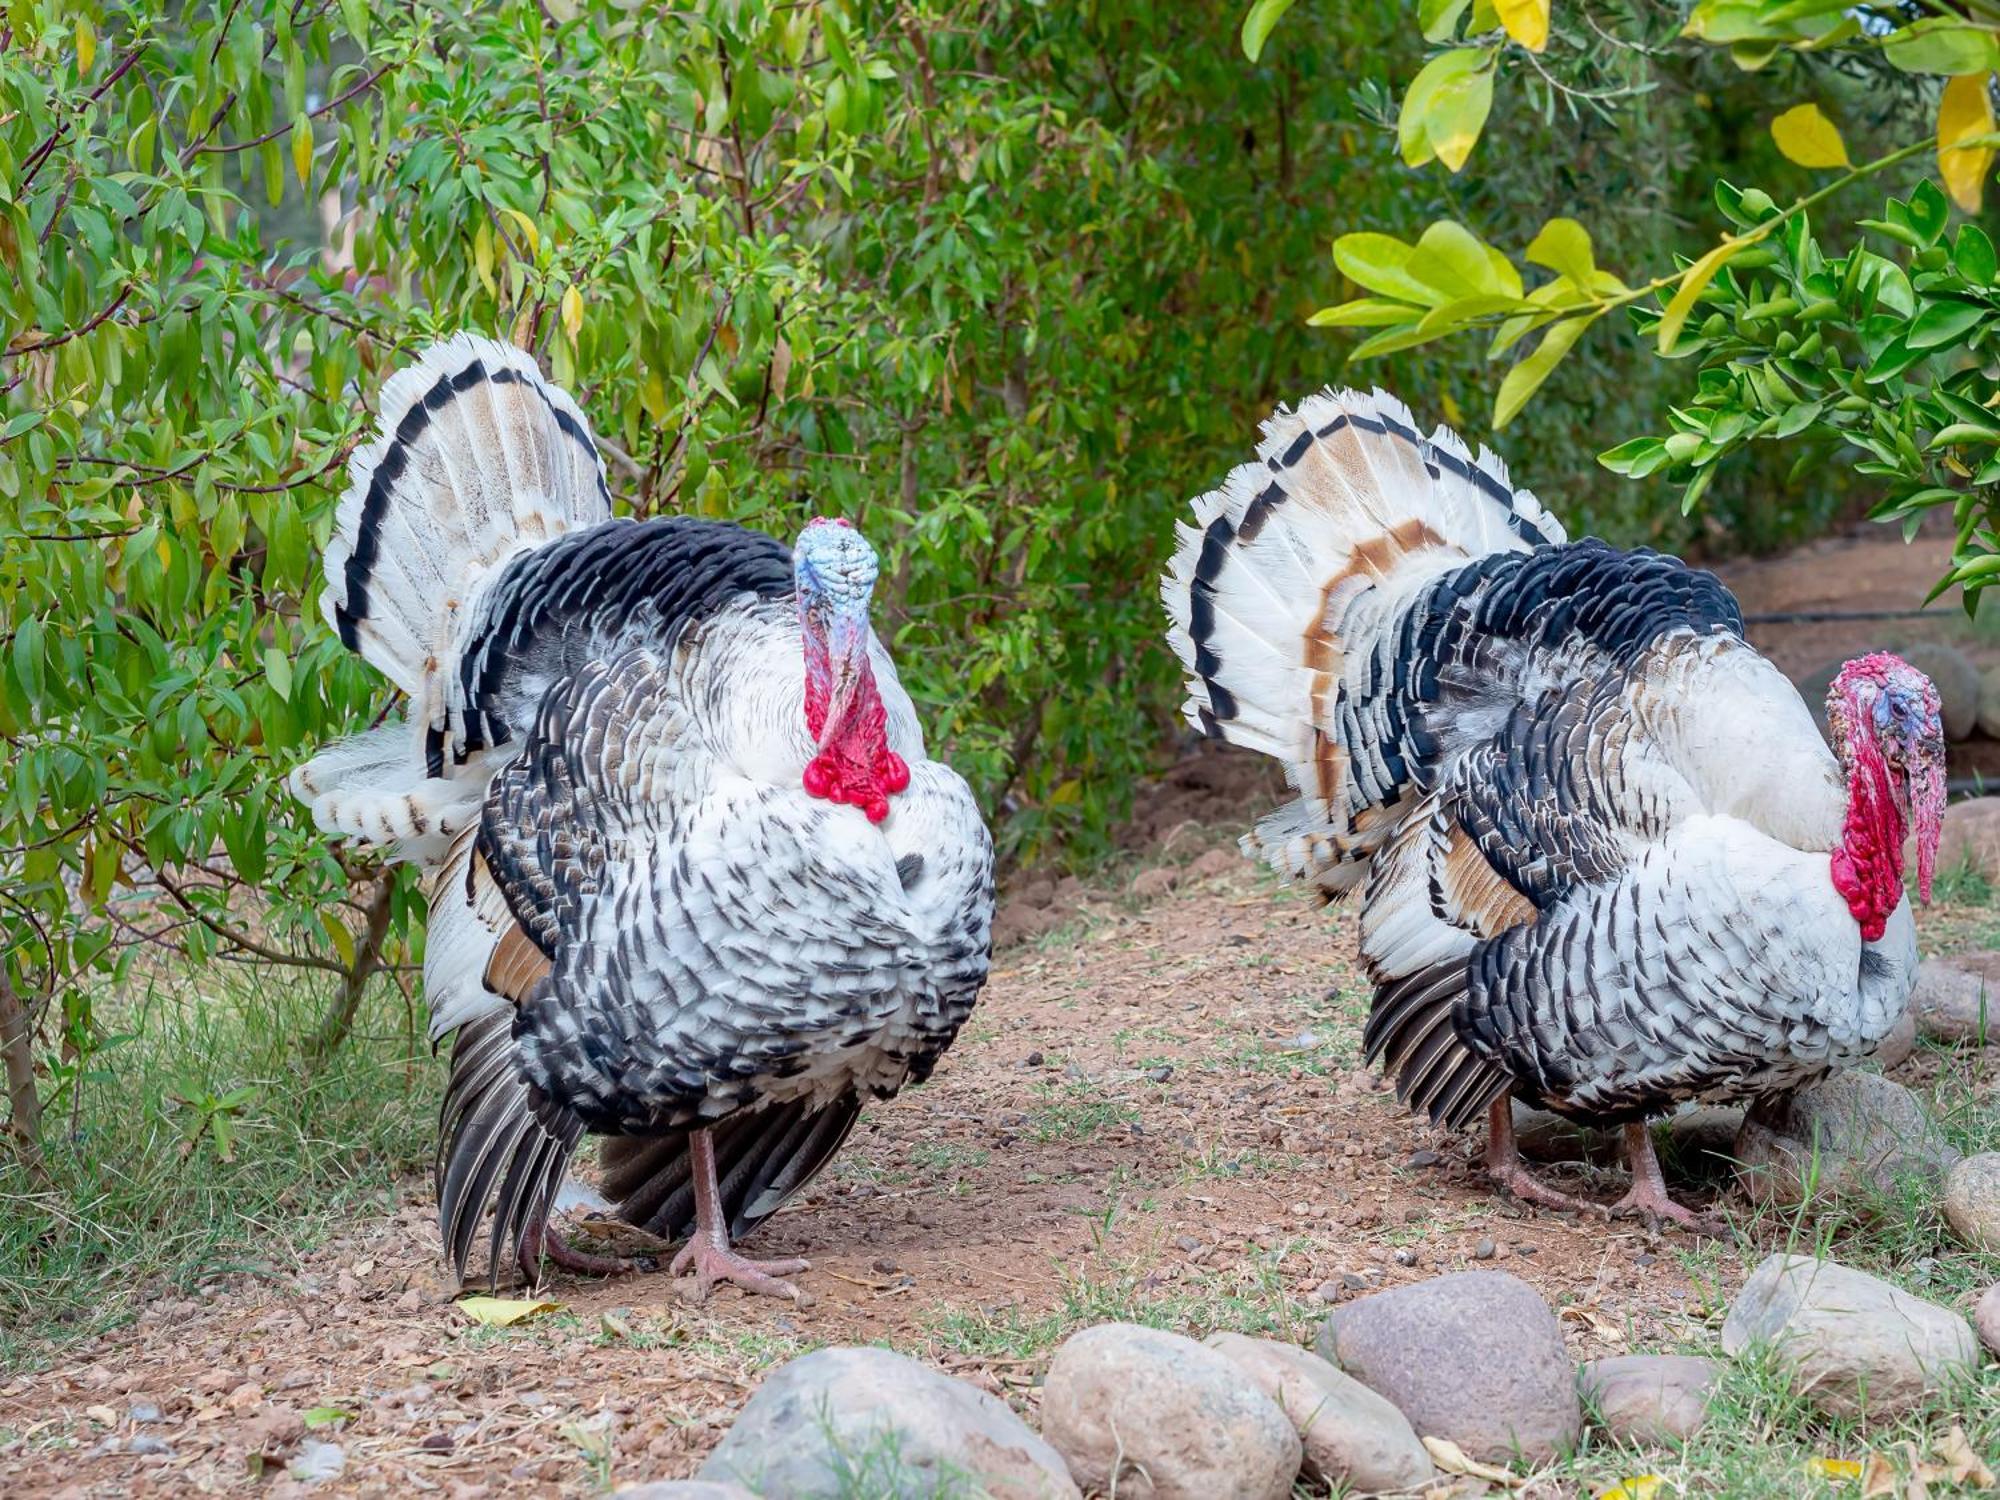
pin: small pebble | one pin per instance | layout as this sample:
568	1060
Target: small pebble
1645	1258
1034	1060
144	1411
1162	1074
884	1266
437	1442
1424	1158
1406	1257
1484	1250
145	1442
1329	1291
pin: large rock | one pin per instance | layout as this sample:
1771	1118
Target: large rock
682	1489
1955	1000
1155	1416
1545	1136
1894	1049
1957	682
1476	1357
1159	1417
822	1415
1649	1398
1972	1201
1851	1136
1851	1342
1971	837
1986	1318
1354	1440
1696	1142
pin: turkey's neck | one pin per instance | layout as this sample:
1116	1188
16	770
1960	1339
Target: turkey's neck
1868	864
854	764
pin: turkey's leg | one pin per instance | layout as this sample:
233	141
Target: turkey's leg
1508	1171
708	1252
1648	1196
542	1238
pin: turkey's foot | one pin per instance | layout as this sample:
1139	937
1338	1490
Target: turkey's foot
713	1261
1510	1174
1648	1198
542	1239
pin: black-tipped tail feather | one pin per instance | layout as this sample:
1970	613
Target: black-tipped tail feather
500	1142
1411	1032
763	1158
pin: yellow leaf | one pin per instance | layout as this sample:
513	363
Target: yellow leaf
1693	279
1638	1487
1527	21
504	1312
302	149
482	256
1453	1459
86	46
572	313
527	227
1454	418
1964	112
1838	1470
1809	138
339	936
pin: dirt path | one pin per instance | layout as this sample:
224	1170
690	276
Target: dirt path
1156	1112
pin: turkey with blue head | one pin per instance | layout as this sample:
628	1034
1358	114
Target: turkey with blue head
1606	862
694	885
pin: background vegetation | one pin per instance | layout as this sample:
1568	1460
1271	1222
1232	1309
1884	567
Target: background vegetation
1006	283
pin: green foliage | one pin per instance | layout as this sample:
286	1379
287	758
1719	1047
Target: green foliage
1882	370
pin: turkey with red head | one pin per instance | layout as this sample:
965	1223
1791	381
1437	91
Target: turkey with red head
1606	862
694	885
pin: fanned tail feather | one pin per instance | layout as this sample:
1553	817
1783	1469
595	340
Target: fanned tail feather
1286	595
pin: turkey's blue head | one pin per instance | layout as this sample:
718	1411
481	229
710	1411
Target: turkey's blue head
1888	731
834	571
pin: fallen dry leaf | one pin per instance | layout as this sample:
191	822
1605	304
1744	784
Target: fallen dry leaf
1878	1477
504	1312
1963	1466
1453	1459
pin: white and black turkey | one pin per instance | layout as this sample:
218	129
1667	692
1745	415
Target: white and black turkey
1606	861
694	884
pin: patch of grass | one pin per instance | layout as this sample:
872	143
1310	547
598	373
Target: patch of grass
1075	1112
147	1196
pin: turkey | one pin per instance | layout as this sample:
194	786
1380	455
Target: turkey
1606	862
693	884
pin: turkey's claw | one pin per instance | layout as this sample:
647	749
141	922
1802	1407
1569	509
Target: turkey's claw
1648	1198
712	1262
542	1240
1509	1173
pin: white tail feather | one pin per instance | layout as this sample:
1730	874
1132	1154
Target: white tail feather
1292	575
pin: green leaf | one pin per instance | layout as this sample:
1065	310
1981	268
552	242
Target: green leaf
1563	245
28	657
1942	44
1527	376
1445	107
1365	312
1942	322
1930	211
1380	262
278	668
1257	24
1454	261
1973	255
1635	458
1438	19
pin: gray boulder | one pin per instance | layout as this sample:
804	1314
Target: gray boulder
1155	1416
915	1433
1894	1049
1971	838
1353	1439
1955	1001
1972	1201
1853	1135
682	1489
1649	1399
1850	1342
1476	1357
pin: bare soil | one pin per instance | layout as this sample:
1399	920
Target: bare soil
1158	1111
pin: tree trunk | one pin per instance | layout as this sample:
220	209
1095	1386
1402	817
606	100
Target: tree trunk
339	1017
17	1044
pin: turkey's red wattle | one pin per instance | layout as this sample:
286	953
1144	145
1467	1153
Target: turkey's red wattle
1868	865
855	765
